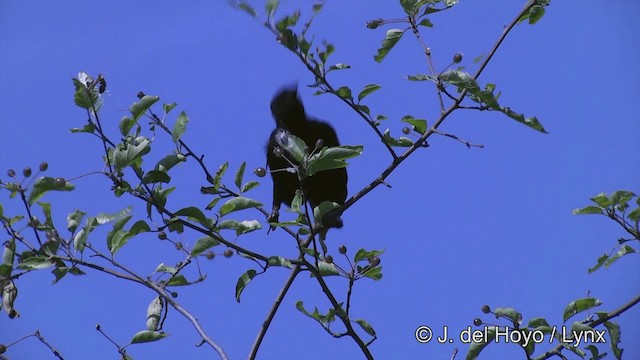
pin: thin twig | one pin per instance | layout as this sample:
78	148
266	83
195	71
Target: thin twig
556	350
427	53
468	144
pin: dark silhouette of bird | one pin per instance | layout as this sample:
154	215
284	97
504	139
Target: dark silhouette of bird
330	185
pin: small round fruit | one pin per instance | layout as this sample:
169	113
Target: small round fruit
374	261
260	172
319	144
328	259
486	309
277	151
342	249
43	166
11	173
179	246
162	235
210	255
477	322
26	172
228	253
406	130
457	58
60	182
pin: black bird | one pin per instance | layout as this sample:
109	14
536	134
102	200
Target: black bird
329	185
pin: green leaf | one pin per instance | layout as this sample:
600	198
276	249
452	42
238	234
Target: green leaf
238	203
601	261
121	237
602	200
213	203
169	161
8	256
291	144
324	55
537	322
624	250
89	128
35	263
595	353
425	22
339	66
476	347
363	254
44	184
296	203
46	210
127	154
365	326
116	230
588	210
368	90
326	269
461	80
219	174
322	319
154	312
614	338
374	273
156	176
421	77
59	273
248	186
508	313
126	123
240	175
400	142
409	6
204	244
419	125
243	281
244	6
138	109
279	261
178	280
85	98
535	13
162	268
168	107
344	92
241	227
288	21
579	306
80	239
531	122
145	336
324	207
621	197
390	40
364	109
634	216
194	214
271	6
160	196
331	158
179	127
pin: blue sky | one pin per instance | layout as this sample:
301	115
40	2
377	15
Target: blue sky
460	227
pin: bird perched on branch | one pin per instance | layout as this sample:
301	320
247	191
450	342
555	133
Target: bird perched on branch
329	185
